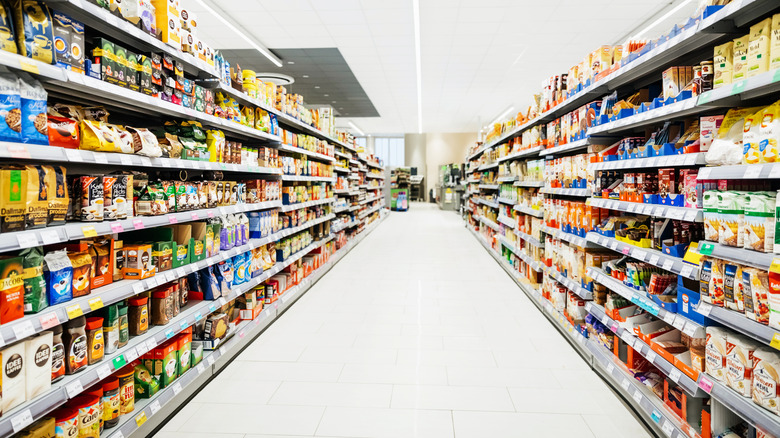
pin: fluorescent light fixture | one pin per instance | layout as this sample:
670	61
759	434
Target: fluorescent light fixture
502	115
241	33
662	19
417	57
357	129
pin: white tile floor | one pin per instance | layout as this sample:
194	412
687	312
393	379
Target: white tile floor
416	333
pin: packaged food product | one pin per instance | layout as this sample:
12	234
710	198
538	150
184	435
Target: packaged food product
89	415
88	198
35	298
111	328
126	390
162	306
57	355
57	190
755	284
66	422
138	316
111	401
731	215
752	152
146	385
82	273
58	272
723	64
758	48
63	132
11	289
769	132
739	363
144	142
124	326
13	198
74	338
716	351
35	123
14	376
98	136
43	428
38	352
7	37
10	107
766	383
711	219
97	391
716	292
740	58
732	287
759	234
95	340
34	30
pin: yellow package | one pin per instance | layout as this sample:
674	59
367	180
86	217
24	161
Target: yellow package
739	71
774	43
751	150
97	136
768	133
733	123
248	116
758	48
215	141
723	62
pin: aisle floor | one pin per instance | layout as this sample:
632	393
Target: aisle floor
415	333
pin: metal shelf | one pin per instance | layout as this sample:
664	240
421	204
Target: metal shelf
503	179
743	256
528	184
340	169
569	237
529	211
636	297
79	230
489	223
644	399
371	175
742	406
487	166
506	220
743	171
739	322
582	193
654	257
297	150
488	203
519	253
694	159
679	213
367	200
300	205
96	90
666	367
570	284
532	152
664	113
489	186
568	147
308	178
529	239
506	201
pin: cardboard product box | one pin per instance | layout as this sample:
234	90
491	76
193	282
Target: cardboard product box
184	351
38	356
708	130
671	78
162	255
14	376
62	39
132	70
104	55
182	242
103	253
196	354
167	13
138	261
198	242
216	327
166	363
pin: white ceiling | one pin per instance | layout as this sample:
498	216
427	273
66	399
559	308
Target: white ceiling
478	58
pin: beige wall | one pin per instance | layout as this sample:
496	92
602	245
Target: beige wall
428	152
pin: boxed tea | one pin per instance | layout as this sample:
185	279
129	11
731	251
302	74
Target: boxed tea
166	363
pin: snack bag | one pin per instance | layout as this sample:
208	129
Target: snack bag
752	152
759	232
35	123
97	136
34	30
758	48
766	383
10	107
716	291
723	64
769	132
731	212
755	284
58	272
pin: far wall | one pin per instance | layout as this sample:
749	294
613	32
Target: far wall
428	152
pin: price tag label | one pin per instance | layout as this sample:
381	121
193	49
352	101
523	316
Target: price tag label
705	383
679	323
753	171
24	329
704	173
27	240
200	368
103	371
176	387
74	388
183	325
653	259
73	311
173	219
668	428
125	160
625	384
210	359
169	334
138	287
774	172
674	375
639	254
21	420
151	344
775	342
738	87
637	396
96	303
222	350
155	407
73	155
146	162
118	362
668	264
210	214
130	355
116	227
140	419
49	320
49	237
101	158
676	214
89	231
625	250
198	316
151	282
138	224
650	356
659	211
194	216
613	246
686	271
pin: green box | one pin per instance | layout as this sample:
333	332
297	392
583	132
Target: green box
162	255
182	244
184	352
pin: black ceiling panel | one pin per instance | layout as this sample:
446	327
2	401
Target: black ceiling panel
325	68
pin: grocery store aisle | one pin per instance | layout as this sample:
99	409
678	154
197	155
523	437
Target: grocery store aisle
416	332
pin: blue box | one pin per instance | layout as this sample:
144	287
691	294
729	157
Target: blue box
674	200
669	307
687	300
675	250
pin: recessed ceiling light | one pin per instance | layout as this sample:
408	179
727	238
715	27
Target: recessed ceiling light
291	62
332	101
326	95
341	108
316	86
306	76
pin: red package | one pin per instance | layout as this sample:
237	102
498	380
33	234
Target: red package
63	132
